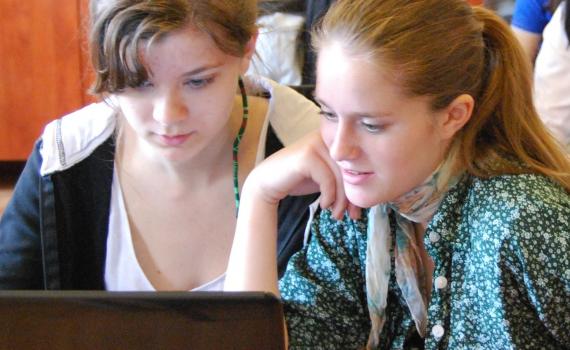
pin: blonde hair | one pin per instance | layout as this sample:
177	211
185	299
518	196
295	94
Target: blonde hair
446	48
120	27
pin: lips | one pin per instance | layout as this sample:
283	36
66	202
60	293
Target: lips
173	140
355	177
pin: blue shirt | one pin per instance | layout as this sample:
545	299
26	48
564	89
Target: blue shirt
531	15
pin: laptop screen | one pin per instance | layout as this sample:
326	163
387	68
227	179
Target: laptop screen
140	320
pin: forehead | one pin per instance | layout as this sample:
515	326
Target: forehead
356	79
186	46
187	39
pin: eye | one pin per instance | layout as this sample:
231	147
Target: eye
198	83
372	128
328	115
144	84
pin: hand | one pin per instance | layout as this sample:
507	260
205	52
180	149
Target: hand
302	168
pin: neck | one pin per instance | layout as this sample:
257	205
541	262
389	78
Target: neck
420	204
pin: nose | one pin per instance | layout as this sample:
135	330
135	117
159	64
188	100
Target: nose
170	108
344	145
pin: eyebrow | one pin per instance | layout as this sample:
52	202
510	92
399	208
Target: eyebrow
375	115
202	69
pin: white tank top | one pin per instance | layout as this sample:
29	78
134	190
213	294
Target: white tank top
122	269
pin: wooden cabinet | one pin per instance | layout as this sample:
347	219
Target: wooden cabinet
43	70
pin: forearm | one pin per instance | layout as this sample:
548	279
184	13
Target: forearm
530	42
253	261
300	169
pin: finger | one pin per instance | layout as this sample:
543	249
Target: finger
354	212
321	174
340	203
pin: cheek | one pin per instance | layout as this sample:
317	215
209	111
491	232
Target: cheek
414	157
134	112
396	155
129	106
328	131
418	140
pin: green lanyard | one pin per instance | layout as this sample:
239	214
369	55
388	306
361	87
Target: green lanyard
237	140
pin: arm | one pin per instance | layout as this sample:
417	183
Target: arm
529	41
323	288
303	168
527	219
544	264
528	22
20	254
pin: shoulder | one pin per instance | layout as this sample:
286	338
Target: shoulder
70	139
524	207
522	218
505	206
523	222
290	114
525	189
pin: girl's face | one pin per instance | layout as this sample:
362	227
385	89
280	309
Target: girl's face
384	142
185	105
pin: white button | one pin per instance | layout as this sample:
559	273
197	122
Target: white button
433	237
440	282
437	331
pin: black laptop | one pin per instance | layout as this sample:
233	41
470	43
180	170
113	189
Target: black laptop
140	320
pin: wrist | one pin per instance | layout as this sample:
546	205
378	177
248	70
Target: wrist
255	190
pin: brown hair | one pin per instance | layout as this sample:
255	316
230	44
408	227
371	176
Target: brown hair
445	48
120	27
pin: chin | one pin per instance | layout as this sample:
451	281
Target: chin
172	155
362	199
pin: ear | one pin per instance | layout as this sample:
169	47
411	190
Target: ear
456	115
249	52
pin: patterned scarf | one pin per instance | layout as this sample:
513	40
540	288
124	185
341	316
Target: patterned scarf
418	205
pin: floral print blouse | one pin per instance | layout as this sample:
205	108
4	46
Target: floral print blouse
501	249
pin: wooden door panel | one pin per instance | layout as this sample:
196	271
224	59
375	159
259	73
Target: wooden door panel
40	69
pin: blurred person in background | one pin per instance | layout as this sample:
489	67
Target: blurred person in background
552	76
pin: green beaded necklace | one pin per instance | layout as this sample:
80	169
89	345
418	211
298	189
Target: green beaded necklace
237	140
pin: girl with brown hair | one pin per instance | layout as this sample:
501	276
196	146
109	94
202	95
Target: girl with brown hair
427	124
140	192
